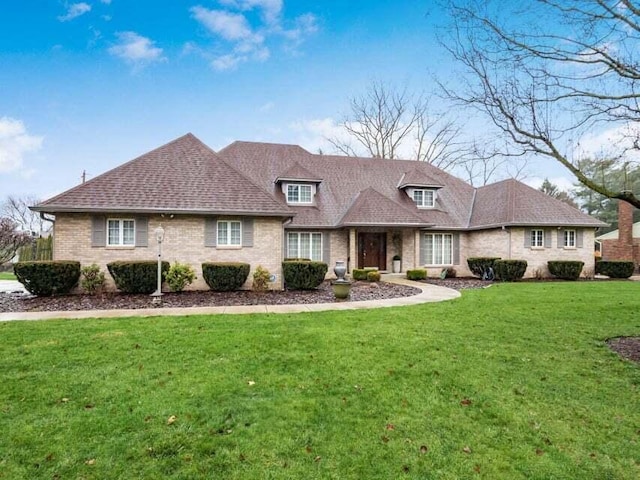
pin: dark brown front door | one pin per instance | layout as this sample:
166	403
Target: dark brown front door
372	250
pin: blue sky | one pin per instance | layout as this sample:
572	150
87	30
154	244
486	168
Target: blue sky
89	85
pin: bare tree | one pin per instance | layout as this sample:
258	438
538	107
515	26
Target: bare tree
547	73
384	120
17	210
11	239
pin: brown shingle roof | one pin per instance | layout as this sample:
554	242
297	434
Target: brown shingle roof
510	202
417	178
183	176
344	177
297	173
371	208
186	176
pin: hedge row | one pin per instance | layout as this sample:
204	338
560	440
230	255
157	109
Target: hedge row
615	269
565	269
48	277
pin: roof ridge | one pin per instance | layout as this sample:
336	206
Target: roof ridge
123	165
472	207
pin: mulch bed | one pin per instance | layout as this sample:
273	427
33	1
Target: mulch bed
324	294
626	347
462	283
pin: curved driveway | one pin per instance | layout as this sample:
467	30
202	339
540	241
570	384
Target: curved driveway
429	293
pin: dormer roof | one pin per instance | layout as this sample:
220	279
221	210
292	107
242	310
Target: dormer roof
418	179
297	173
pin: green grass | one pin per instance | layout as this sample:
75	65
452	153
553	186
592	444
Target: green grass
7	276
518	375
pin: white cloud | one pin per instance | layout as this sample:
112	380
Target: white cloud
267	107
312	134
230	26
136	49
15	144
75	10
614	142
271	9
246	42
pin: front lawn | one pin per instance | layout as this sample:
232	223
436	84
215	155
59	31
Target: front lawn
7	276
511	382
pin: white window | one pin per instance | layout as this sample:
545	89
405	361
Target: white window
438	248
424	198
304	245
570	239
229	233
537	238
299	193
121	232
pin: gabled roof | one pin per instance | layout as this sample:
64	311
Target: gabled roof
614	234
297	173
186	176
183	176
371	208
417	178
343	177
512	203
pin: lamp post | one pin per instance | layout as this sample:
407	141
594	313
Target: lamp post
157	295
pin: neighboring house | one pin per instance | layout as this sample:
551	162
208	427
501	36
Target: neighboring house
624	243
260	203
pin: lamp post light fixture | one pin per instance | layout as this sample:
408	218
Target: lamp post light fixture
157	295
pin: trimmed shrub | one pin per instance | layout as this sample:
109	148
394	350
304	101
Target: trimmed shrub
417	274
359	273
48	277
179	276
479	265
136	276
373	276
92	279
615	269
396	258
509	270
565	269
303	275
225	276
261	278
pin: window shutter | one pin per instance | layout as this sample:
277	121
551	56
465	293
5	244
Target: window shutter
527	238
423	250
142	231
98	231
247	232
326	247
547	238
210	231
579	240
456	249
561	238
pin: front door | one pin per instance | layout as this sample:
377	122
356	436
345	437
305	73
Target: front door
372	250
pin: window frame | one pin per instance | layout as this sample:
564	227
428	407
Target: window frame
534	237
121	237
299	200
299	234
227	243
441	254
568	240
424	192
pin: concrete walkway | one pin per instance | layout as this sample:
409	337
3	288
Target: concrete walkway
11	286
429	293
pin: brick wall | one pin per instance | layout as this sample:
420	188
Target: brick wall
183	242
625	247
509	244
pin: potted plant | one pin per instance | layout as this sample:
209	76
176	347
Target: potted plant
396	263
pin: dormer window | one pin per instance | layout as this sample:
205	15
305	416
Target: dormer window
424	198
299	194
